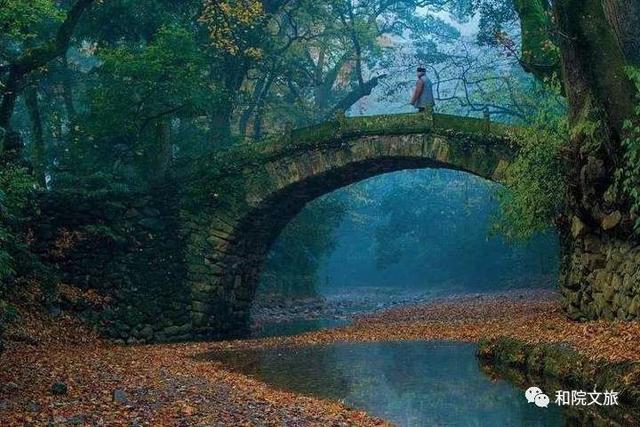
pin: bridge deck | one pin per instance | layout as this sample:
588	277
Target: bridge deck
400	124
342	128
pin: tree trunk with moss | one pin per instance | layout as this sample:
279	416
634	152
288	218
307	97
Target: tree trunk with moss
37	135
33	59
597	40
601	261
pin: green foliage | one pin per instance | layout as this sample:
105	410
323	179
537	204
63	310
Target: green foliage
17	195
23	21
140	85
629	176
431	228
535	180
232	25
538	49
17	209
138	94
115	22
295	258
494	18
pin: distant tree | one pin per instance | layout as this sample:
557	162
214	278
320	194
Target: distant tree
36	49
136	96
293	263
447	237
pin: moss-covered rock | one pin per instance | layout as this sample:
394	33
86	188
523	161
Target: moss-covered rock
601	278
562	364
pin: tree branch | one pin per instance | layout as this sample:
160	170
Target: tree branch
539	56
355	95
38	57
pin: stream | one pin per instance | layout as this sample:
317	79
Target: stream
414	383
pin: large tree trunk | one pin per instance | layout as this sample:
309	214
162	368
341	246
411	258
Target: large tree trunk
67	90
258	99
10	93
624	18
234	70
535	26
600	276
39	158
220	126
161	157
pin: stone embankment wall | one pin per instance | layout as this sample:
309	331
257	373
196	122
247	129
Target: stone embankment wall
127	247
601	276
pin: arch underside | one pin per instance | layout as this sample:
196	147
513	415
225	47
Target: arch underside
297	179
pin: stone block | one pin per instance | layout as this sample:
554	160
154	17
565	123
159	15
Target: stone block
201	307
147	333
199	319
611	220
176	330
578	227
634	307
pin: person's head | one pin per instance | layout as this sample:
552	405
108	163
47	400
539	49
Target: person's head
421	71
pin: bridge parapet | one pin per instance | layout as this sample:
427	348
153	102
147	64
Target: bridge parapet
399	124
343	128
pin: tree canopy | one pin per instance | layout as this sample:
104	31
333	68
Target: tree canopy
130	93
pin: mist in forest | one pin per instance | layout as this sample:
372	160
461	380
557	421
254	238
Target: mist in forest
427	230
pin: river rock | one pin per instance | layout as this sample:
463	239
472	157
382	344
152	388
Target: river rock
10	387
33	407
147	333
59	389
577	227
119	396
76	420
611	221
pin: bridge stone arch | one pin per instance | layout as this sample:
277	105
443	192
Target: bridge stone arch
254	190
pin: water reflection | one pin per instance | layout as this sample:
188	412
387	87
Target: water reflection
615	415
298	326
408	383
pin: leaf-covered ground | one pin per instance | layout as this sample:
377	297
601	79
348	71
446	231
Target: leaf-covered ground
162	385
167	385
532	316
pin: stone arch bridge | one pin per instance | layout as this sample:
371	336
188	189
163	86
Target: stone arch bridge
257	189
185	264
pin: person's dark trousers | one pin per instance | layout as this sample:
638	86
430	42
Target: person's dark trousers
428	109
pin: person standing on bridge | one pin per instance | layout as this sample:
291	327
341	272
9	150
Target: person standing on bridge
422	97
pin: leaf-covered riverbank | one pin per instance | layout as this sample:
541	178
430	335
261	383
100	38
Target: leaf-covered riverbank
153	385
531	316
168	385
